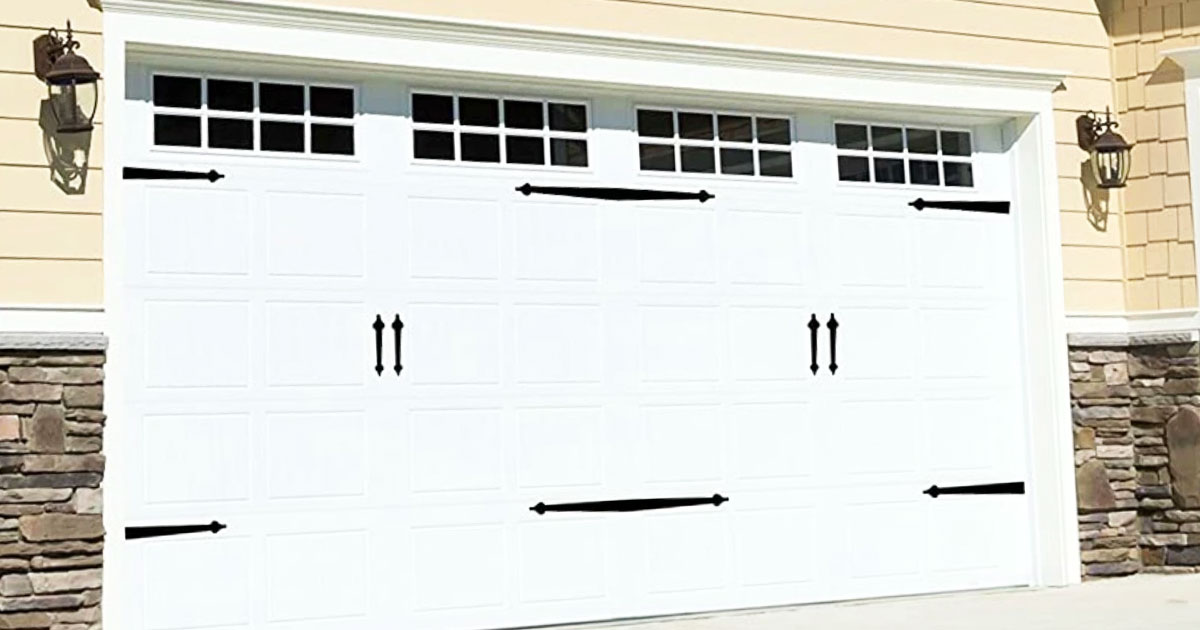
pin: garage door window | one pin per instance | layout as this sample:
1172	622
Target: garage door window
500	130
710	142
253	116
897	154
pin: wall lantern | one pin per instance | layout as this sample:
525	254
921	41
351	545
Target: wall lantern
1108	151
71	79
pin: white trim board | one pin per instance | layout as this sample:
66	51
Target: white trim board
51	318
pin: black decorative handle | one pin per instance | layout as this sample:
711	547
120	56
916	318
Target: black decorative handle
1012	487
629	505
813	326
397	330
994	207
833	326
132	172
378	326
614	194
157	531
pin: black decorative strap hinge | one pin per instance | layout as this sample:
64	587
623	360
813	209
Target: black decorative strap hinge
629	505
131	172
157	531
1011	487
615	194
994	207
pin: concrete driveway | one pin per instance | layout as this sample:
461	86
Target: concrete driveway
1161	602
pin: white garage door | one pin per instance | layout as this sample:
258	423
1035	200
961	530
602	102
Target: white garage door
555	349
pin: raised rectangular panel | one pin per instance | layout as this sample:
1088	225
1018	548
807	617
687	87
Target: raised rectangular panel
562	561
456	449
192	231
560	447
677	245
196	583
776	546
683	442
686	552
871	251
316	575
880	539
765	247
873	342
680	343
196	457
454	239
960	343
962	434
197	344
458	567
452	344
875	436
559	343
956	529
769	344
773	440
316	343
310	234
556	241
319	454
953	253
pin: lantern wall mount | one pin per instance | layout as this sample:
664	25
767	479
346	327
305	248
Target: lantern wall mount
1108	152
70	78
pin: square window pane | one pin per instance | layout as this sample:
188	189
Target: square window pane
333	139
565	152
176	131
923	172
658	124
566	117
956	143
775	163
657	157
524	150
697	160
226	133
481	112
774	130
958	174
889	171
523	114
735	128
851	137
230	96
695	126
433	108
280	98
282	136
479	147
852	168
887	139
331	102
737	161
177	92
433	145
922	140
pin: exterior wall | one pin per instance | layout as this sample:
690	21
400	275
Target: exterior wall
50	236
51	532
1160	261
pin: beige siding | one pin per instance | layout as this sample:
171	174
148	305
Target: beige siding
50	241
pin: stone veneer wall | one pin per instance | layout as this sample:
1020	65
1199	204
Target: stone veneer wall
51	467
1137	454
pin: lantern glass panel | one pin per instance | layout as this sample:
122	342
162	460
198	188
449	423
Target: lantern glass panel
74	106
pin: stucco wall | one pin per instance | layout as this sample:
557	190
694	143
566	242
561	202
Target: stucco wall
50	236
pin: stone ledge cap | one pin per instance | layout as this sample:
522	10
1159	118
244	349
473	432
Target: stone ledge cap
53	341
1115	340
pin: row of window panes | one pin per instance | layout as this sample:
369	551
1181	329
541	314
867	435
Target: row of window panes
707	142
890	154
191	110
499	130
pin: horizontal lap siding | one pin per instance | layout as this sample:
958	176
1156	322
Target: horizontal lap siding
50	241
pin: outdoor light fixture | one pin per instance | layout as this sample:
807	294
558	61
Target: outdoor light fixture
1108	151
71	79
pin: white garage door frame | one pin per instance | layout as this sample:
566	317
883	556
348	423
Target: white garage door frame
386	42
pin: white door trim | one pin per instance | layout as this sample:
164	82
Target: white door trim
379	41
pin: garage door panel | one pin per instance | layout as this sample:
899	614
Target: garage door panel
196	583
956	254
682	443
680	343
868	438
316	343
452	343
769	344
946	332
292	563
453	239
875	551
962	434
556	241
560	447
563	560
459	567
875	342
777	547
677	246
218	443
456	450
765	248
197	231
870	251
315	235
686	552
196	343
316	455
559	343
774	441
